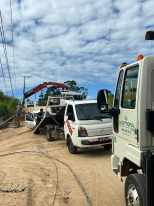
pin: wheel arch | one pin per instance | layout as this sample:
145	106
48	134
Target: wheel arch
67	136
129	167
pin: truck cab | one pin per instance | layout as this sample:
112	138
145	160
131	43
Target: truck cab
133	128
85	126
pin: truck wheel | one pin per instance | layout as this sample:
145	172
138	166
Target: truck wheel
135	190
72	149
48	135
108	146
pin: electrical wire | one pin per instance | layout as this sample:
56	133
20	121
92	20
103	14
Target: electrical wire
14	190
3	76
57	177
5	51
13	47
33	151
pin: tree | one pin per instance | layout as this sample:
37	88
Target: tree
51	91
41	100
72	86
110	99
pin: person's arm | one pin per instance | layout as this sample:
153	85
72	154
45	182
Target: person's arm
39	116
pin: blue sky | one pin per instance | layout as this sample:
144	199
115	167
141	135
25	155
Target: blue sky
84	40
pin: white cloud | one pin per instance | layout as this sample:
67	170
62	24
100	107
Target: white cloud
84	40
89	98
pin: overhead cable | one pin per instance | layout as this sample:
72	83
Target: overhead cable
5	51
3	76
13	47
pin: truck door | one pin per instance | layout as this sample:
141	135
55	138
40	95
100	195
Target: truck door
29	121
125	124
68	123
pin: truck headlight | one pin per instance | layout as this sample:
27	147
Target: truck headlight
82	132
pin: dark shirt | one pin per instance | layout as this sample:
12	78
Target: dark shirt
39	114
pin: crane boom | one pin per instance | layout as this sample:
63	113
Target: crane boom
40	87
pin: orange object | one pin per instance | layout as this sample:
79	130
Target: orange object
82	128
118	168
140	57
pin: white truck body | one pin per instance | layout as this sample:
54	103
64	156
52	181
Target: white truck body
87	127
133	129
98	131
131	135
30	103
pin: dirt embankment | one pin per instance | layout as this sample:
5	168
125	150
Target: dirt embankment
44	177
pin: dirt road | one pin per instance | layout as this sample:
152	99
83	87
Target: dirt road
43	177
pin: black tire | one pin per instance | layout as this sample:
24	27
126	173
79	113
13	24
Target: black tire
48	135
71	148
108	146
135	190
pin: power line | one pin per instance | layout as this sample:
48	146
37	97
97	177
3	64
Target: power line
5	51
13	46
3	76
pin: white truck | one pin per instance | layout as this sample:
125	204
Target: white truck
30	103
79	122
66	95
133	128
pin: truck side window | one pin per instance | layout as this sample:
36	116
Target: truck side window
118	90
116	102
70	110
130	88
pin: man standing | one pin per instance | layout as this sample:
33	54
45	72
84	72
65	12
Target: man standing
19	110
39	117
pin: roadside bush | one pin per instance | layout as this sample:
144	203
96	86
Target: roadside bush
7	105
4	109
13	103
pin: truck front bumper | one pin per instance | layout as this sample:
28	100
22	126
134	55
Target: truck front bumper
83	142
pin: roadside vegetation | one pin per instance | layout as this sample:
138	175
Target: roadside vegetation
7	105
110	99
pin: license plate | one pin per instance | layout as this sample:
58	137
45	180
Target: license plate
102	139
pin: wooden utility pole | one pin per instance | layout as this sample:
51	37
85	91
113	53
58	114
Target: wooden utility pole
23	102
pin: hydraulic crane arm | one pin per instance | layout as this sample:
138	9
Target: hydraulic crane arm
41	86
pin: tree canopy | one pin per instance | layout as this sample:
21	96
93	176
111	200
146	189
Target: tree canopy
72	86
52	91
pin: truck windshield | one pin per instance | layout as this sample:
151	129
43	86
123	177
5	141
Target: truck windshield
76	97
89	112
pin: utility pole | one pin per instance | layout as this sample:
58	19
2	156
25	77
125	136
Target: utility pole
23	102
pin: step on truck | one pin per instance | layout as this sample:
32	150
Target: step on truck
133	128
79	122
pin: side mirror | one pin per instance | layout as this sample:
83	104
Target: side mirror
102	99
71	117
149	35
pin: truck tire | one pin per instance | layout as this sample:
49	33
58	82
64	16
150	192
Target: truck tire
135	190
71	148
48	135
108	146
